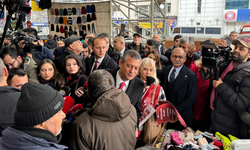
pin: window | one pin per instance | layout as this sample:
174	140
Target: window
246	29
200	31
199	7
212	31
187	30
177	30
237	4
142	10
168	7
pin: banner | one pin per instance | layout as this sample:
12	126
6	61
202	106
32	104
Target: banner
148	25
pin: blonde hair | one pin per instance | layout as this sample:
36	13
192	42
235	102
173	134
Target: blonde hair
148	61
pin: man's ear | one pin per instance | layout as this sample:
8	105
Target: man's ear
19	58
5	71
120	63
41	125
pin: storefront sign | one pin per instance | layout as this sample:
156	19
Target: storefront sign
243	15
230	15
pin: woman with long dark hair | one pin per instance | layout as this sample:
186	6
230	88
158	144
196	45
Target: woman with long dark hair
74	76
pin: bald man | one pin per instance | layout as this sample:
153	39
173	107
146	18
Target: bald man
180	85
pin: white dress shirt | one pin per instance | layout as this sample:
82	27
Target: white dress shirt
98	64
176	73
119	81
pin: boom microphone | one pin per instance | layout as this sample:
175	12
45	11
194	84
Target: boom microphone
68	103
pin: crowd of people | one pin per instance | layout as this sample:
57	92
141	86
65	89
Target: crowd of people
111	86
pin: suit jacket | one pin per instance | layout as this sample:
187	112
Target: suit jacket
184	92
134	92
60	60
107	63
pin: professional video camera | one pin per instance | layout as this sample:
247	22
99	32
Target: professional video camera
28	41
18	6
213	57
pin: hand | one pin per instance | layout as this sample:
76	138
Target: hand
79	92
191	50
216	83
40	42
29	54
219	42
173	119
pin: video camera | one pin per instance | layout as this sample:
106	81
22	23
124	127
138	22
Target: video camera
17	6
28	41
213	57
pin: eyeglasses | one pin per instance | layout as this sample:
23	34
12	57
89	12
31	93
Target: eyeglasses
11	64
148	47
175	57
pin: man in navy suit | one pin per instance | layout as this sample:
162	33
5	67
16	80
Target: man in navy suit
126	80
100	60
180	85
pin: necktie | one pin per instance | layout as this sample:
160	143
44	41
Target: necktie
95	66
121	86
172	75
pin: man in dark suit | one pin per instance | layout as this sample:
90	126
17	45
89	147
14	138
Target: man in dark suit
180	85
100	60
119	45
125	79
73	46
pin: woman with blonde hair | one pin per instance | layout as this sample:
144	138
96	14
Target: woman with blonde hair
153	92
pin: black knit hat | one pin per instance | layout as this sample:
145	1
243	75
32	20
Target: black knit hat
52	27
37	104
74	11
65	12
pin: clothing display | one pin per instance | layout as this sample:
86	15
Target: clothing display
78	17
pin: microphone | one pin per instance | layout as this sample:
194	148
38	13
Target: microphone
68	103
150	80
86	85
74	110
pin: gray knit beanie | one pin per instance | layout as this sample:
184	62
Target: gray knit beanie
37	104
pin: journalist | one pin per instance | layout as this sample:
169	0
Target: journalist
232	88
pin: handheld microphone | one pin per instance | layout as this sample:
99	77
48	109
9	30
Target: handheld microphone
74	110
150	80
68	103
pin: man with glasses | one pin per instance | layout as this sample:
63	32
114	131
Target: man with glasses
180	85
12	59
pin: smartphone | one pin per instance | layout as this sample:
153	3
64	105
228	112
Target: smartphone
123	27
191	41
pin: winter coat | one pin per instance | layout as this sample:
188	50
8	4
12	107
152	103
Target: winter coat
132	46
199	107
232	96
107	63
8	99
109	125
50	44
14	139
30	68
45	54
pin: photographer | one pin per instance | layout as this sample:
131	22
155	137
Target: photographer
12	58
44	52
232	88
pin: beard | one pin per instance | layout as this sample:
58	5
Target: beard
240	58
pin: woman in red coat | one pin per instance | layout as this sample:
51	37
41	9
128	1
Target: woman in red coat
200	115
